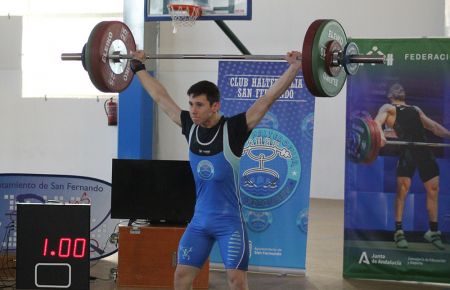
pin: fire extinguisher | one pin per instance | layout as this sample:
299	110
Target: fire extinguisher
111	111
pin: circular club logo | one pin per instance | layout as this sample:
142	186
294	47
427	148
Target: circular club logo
270	170
307	126
205	169
258	221
302	220
269	120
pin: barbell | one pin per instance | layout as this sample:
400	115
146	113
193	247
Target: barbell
364	140
327	57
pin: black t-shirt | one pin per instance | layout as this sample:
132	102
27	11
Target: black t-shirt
237	134
408	124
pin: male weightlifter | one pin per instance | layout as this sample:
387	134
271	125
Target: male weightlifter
409	124
215	146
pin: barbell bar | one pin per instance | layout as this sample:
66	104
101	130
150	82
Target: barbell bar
364	141
406	143
352	58
326	61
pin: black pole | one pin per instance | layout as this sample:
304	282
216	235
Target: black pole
232	37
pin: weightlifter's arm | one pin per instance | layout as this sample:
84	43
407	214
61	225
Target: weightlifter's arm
380	119
257	111
155	89
433	126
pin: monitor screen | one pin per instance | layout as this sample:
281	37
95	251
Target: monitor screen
160	191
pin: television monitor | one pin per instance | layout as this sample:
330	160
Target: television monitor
159	191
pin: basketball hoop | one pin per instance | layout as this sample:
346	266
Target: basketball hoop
183	14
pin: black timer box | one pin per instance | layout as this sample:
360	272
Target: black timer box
52	246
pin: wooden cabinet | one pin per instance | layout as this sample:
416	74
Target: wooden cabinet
148	255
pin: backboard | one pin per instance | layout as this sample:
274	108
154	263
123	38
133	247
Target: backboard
156	10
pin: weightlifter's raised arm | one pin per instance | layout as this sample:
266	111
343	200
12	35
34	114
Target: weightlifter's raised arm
257	111
156	90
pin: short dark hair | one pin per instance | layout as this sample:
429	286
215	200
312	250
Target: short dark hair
205	87
396	92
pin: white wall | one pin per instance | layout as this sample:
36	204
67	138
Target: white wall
72	136
57	136
277	27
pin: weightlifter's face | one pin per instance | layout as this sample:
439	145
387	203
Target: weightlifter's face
201	110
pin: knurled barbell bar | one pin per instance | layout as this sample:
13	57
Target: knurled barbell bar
364	141
326	61
118	57
429	144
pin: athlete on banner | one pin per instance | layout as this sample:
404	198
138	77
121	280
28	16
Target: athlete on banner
409	124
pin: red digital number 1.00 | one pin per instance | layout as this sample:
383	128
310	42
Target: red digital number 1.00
67	247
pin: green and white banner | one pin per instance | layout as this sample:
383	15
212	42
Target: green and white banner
422	68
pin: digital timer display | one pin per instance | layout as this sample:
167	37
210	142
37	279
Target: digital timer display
53	246
67	248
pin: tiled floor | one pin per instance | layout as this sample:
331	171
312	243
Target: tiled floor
324	261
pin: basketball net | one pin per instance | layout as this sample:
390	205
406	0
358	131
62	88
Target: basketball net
183	15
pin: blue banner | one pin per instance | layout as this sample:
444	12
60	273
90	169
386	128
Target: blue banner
275	165
39	188
373	200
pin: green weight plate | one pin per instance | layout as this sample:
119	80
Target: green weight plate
106	38
327	85
352	146
359	145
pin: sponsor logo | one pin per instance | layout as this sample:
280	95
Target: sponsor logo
376	51
364	259
185	253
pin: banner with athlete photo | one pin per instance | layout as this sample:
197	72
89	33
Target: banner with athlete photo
43	188
388	234
275	165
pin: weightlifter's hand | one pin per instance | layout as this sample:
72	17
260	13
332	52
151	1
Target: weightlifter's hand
294	58
137	63
139	55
